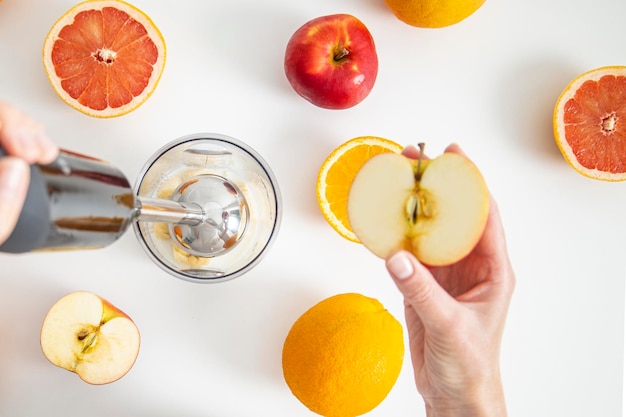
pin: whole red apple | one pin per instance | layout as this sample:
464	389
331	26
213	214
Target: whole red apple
331	61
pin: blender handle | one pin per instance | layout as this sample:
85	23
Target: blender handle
33	225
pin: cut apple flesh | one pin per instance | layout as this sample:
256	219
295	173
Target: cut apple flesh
455	210
87	335
111	353
438	215
377	203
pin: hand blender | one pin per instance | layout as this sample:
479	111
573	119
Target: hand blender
214	200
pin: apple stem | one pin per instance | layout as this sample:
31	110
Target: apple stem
418	174
341	54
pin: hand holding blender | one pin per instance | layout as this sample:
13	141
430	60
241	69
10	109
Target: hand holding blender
25	141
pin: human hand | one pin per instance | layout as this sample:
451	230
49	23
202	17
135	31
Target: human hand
24	142
455	318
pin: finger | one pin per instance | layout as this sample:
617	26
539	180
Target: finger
24	137
412	152
434	306
29	141
455	148
48	150
14	178
492	245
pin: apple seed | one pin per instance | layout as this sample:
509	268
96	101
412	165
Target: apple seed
412	208
88	337
426	204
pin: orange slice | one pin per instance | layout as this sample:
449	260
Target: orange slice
104	58
590	123
337	173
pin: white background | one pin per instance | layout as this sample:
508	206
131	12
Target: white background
488	83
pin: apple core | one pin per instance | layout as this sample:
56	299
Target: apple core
438	215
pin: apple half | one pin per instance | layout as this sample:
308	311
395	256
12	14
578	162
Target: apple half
437	209
87	335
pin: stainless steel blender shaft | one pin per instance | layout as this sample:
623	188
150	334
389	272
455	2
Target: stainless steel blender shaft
168	211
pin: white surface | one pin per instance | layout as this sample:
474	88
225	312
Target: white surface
489	83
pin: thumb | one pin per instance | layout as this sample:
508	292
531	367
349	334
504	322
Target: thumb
14	178
433	305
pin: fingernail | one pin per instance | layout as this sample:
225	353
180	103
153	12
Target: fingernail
400	266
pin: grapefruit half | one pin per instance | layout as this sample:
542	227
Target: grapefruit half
104	57
590	123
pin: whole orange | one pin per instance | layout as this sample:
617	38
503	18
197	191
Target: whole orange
342	356
433	13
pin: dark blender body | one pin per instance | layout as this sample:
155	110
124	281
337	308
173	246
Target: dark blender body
76	202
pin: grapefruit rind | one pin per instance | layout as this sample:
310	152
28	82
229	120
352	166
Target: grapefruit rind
341	228
67	19
559	123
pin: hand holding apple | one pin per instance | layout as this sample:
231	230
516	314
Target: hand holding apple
87	335
437	209
331	61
